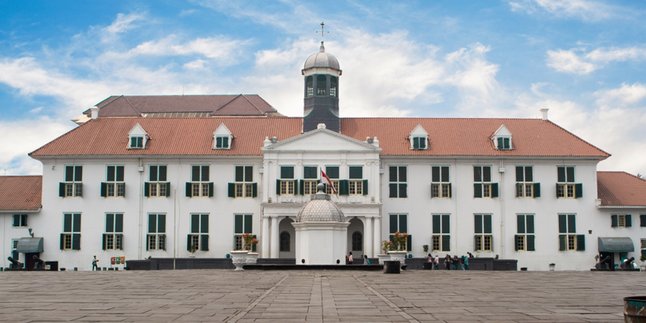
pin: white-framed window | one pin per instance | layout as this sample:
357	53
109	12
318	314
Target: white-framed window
621	220
566	187
525	186
525	237
399	223
483	238
137	137
420	142
113	236
310	179
71	235
158	184
72	186
441	238
136	142
243	185
332	173
156	238
243	224
222	142
198	239
568	239
114	184
397	185
199	185
418	138
355	182
286	185
482	185
222	137
440	182
502	138
20	220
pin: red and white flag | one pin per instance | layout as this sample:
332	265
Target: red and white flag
326	180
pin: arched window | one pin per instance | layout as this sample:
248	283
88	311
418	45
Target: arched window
333	85
357	241
285	241
309	86
321	85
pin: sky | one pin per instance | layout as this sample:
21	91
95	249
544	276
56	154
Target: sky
584	60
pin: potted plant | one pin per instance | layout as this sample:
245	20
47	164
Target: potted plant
386	245
398	246
250	242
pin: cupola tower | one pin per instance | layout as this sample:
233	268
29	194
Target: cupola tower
321	72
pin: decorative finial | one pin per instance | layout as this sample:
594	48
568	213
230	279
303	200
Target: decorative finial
323	32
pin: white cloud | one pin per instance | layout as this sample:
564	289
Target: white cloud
625	95
578	61
569	62
581	9
124	22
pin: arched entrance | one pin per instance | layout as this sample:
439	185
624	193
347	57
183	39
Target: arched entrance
355	238
286	239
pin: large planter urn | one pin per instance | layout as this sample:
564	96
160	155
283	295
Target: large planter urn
398	255
252	258
239	258
383	257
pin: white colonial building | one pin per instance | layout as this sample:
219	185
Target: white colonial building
187	176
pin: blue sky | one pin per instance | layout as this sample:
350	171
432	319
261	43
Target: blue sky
584	60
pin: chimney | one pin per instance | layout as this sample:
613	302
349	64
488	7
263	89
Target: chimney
544	112
94	112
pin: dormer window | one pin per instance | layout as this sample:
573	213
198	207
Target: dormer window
502	138
222	137
418	138
137	137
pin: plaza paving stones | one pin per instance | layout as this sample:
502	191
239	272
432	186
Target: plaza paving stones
316	296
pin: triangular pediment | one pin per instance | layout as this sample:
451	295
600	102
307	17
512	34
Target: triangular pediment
322	140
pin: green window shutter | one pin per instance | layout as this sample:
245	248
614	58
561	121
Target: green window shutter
477	223
365	187
487	223
556	192
238	224
296	187
580	242
446	224
152	225
494	190
124	189
231	189
393	223
531	243
436	223
61	189
195	223
571	223
161	226
167	189
67	222
578	190
629	221
516	241
562	242
211	189
188	242
537	189
204	242
403	190
118	222
520	224
530	223
301	187
62	244
104	243
109	223
120	238
76	241
613	220
16	220
560	174
189	191
254	190
477	190
519	188
562	223
446	242
519	174
343	187
450	190
248	223
501	145
146	189
392	190
277	187
76	222
642	220
204	223
409	242
104	189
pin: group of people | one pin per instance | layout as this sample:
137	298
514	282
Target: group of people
450	263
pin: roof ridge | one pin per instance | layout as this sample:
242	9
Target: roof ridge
235	97
255	107
130	104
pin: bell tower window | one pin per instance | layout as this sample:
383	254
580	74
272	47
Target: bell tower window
320	85
333	86
309	86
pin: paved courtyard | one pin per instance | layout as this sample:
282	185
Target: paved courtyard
316	296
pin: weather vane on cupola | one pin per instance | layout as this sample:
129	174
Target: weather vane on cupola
323	32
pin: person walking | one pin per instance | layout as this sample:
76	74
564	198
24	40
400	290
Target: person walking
350	258
95	264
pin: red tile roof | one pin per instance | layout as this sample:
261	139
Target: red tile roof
231	105
621	189
20	193
194	136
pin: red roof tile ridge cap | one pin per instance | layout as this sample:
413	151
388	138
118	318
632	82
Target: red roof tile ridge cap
443	118
13	176
35	152
579	138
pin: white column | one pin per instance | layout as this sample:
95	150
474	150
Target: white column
274	237
377	235
368	237
264	243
